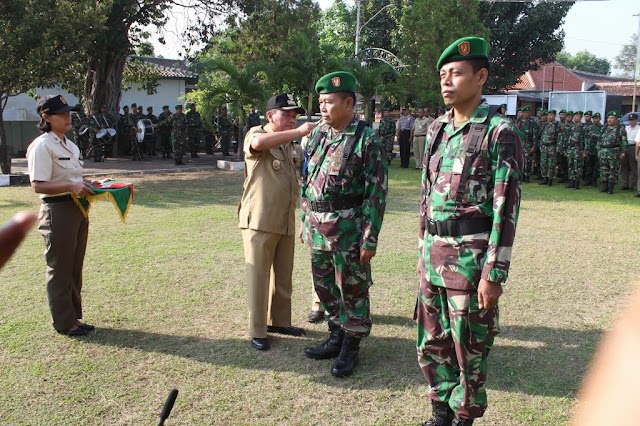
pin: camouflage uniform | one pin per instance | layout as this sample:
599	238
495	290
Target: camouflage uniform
164	133
150	142
529	132
548	150
96	123
224	128
387	132
454	335
336	235
253	120
78	120
179	135
593	133
613	142
194	123
575	138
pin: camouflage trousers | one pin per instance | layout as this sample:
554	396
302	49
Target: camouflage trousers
388	147
178	145
562	163
194	140
165	143
225	141
576	162
547	161
528	160
342	284
535	158
591	168
609	165
454	337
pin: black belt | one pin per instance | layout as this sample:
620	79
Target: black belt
419	135
454	228
325	206
57	199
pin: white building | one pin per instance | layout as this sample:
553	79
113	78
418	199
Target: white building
20	115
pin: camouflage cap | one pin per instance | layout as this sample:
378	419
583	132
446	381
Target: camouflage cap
613	113
339	81
464	49
588	112
596	115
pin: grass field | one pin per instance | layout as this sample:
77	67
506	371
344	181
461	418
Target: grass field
166	291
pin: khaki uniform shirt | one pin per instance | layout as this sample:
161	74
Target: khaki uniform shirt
50	159
271	186
420	126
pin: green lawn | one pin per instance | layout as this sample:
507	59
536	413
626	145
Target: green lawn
166	291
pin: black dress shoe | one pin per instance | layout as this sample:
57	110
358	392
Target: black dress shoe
315	316
74	333
289	331
86	326
260	343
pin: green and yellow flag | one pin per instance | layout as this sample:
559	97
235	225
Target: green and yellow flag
119	193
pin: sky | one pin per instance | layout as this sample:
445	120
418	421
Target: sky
598	26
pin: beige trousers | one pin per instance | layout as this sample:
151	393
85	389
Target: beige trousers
418	149
269	266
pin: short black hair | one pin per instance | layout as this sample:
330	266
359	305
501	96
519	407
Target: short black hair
44	126
479	63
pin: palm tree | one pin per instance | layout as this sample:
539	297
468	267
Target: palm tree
370	82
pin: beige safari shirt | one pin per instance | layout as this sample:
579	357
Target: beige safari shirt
420	126
49	159
271	186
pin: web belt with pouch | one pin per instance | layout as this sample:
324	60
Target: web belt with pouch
473	143
338	203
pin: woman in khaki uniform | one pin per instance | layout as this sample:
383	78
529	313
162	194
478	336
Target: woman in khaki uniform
55	171
273	163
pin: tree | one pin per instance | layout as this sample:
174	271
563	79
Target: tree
584	61
626	59
222	82
298	72
337	28
41	41
145	48
370	81
523	36
427	28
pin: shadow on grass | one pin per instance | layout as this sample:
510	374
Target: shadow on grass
385	363
541	360
394	320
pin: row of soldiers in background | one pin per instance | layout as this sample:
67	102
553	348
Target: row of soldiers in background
571	150
87	129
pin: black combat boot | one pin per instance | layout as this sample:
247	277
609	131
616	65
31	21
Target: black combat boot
570	185
549	182
610	187
441	414
605	186
543	181
576	185
461	422
330	348
348	358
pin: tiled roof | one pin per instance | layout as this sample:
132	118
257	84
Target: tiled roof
168	68
622	88
590	76
551	76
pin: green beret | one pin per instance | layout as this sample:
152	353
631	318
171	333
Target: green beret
95	106
78	106
178	107
503	105
589	112
339	81
134	105
464	49
613	113
539	109
577	113
596	115
551	111
140	106
563	111
166	106
543	111
526	108
569	112
103	106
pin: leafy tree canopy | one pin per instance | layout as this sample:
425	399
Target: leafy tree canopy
584	61
625	61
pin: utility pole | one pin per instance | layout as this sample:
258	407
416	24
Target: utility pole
635	74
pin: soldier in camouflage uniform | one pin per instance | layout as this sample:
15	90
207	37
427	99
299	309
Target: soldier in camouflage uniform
125	131
593	133
542	123
179	134
150	142
529	133
575	140
194	122
469	206
387	132
611	147
224	129
253	119
343	198
548	148
96	123
164	131
79	119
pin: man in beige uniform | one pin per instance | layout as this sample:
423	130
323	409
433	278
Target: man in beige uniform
273	163
419	135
